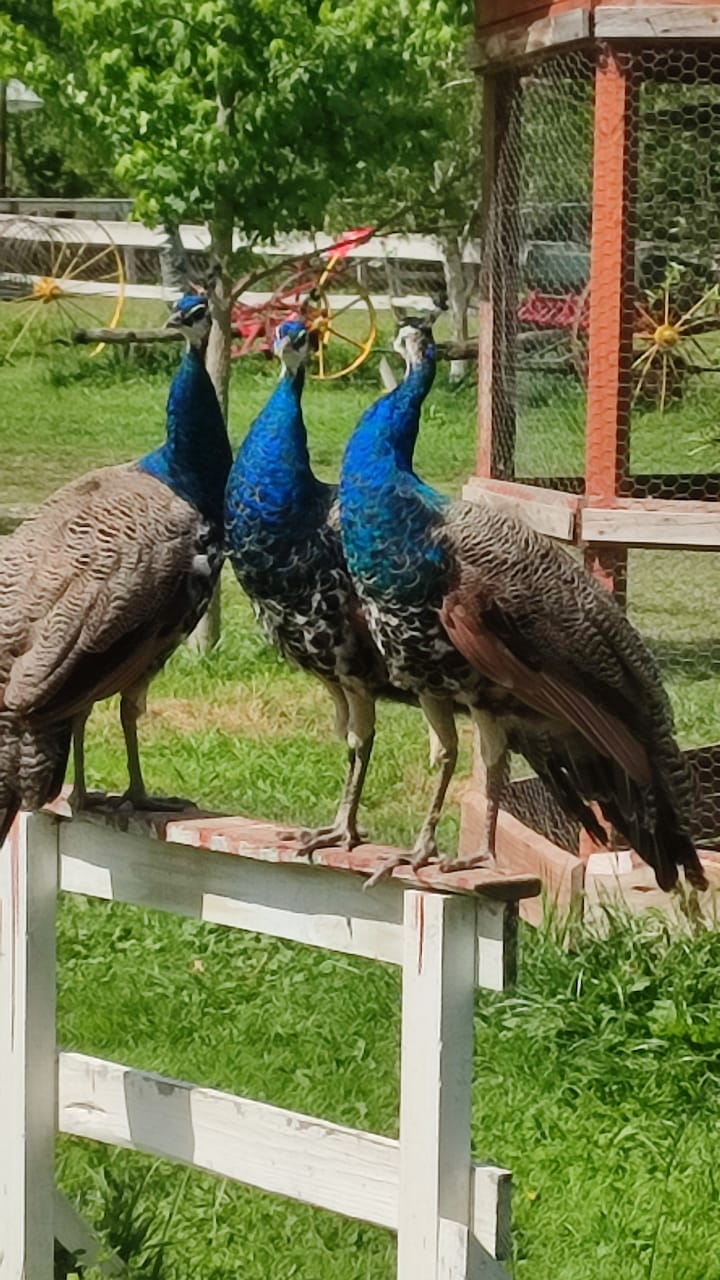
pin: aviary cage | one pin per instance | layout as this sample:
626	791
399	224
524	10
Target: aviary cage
599	362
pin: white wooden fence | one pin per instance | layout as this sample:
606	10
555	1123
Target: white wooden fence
451	1215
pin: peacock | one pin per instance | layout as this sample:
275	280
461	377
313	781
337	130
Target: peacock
467	604
283	541
102	584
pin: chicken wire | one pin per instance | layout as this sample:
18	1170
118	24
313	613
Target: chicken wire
539	239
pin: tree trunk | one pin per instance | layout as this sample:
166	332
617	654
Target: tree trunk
217	361
457	292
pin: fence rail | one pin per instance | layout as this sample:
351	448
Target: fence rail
451	1215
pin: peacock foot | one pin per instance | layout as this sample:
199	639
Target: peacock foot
81	802
485	860
144	803
339	836
425	852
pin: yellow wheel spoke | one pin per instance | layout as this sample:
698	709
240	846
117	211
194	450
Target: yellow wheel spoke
26	297
84	266
345	338
67	274
663	385
338	311
57	260
69	300
19	336
710	296
646	356
667	305
321	358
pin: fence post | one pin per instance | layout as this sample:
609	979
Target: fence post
435	1086
28	1070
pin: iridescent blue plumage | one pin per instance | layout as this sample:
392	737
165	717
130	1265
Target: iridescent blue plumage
195	458
284	545
469	606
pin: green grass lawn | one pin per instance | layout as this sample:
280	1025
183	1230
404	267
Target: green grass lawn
596	1081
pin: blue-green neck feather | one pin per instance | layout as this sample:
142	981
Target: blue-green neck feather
388	514
196	457
271	481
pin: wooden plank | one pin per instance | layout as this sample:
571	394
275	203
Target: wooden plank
611	272
517	44
668	524
435	1087
491	1203
315	905
520	848
676	21
309	904
28	892
499	275
545	511
311	1160
80	1240
320	1163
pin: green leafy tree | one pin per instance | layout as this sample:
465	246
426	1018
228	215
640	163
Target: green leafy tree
253	117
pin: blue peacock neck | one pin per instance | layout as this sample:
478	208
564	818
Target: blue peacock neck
271	481
383	443
385	510
195	459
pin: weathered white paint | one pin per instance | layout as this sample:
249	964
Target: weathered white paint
544	511
28	891
435	1084
310	904
451	1217
294	1155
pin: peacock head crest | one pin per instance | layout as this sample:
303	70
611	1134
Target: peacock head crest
191	314
293	343
414	341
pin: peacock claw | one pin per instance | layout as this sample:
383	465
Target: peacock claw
341	837
416	860
467	864
152	804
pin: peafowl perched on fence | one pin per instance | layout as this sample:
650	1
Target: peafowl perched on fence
102	584
467	604
284	544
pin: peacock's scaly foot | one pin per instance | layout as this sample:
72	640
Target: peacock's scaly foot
339	836
423	854
81	802
485	860
152	804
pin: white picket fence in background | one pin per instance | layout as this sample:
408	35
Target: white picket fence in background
451	1215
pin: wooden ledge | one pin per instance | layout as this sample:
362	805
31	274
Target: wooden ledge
266	842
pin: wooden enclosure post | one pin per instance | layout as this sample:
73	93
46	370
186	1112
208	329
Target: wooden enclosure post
497	316
612	293
28	1072
435	1085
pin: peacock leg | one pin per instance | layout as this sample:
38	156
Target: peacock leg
132	705
496	760
444	748
360	733
78	798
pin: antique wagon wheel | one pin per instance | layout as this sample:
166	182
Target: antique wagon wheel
671	340
56	277
345	322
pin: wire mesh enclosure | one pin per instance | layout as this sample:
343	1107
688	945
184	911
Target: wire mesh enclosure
599	384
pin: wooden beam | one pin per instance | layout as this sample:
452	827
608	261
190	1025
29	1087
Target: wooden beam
314	904
665	524
545	510
327	1165
658	22
517	44
499	277
435	1083
611	275
28	893
80	1241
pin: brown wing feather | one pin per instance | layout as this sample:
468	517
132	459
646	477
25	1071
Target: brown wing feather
542	691
99	565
